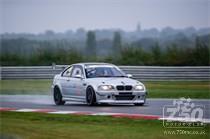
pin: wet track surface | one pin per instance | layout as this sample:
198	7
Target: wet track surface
152	107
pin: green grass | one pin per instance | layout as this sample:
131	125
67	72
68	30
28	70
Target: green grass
50	126
25	87
162	89
172	89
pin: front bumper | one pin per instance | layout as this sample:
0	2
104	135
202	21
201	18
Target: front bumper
111	101
122	97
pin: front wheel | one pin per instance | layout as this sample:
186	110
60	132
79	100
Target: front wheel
58	97
90	96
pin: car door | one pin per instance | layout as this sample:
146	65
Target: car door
77	79
65	82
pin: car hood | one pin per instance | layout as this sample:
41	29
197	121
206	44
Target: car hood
113	81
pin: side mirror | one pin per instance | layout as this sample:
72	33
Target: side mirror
129	75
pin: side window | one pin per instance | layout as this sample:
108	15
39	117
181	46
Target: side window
67	73
77	71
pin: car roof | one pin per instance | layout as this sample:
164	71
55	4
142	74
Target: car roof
93	63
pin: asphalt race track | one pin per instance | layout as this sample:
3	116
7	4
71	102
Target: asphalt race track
152	107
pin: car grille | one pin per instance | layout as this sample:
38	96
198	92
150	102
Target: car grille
124	97
126	87
125	93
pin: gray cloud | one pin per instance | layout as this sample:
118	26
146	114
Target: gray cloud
60	15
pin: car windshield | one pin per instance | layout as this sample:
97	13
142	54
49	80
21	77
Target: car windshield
109	71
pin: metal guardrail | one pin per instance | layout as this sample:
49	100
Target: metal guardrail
143	73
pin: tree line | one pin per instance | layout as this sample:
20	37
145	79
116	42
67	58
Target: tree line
22	51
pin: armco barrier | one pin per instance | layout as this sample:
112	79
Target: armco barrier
144	73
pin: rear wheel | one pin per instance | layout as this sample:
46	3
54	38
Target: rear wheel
90	96
58	97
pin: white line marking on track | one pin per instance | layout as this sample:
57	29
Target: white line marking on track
25	110
105	113
63	112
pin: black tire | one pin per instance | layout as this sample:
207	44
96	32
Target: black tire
58	97
90	96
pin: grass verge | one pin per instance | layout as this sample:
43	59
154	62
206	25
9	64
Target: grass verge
161	89
38	125
177	89
13	87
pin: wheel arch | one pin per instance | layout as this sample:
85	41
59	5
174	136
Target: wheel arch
89	86
92	86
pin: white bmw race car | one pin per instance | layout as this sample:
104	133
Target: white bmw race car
97	83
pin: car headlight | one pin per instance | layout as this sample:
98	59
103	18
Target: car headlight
105	87
139	87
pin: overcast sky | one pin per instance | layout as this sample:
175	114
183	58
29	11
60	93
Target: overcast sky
36	16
